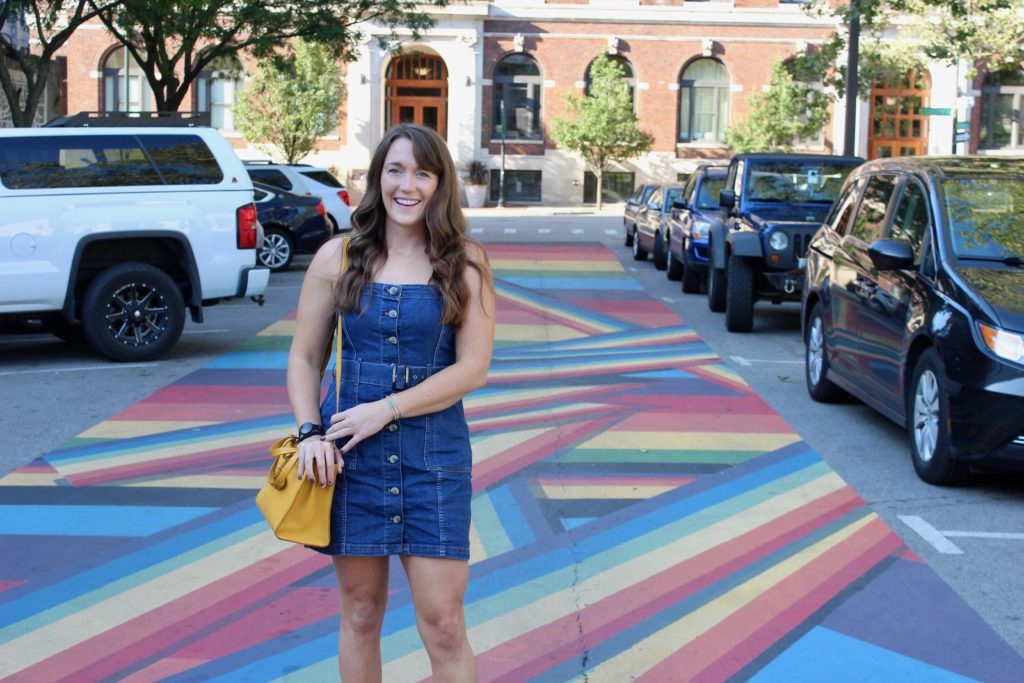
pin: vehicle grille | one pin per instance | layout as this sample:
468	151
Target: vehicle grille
800	244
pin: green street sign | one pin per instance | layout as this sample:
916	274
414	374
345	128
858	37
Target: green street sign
936	111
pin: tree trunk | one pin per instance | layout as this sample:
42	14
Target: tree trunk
600	189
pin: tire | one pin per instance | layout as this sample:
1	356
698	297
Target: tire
716	289
639	253
928	424
739	297
658	252
673	267
629	234
277	251
133	312
821	389
691	278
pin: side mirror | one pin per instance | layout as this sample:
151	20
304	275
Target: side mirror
889	254
727	199
679	203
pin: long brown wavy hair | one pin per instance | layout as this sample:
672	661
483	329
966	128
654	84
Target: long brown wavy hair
446	227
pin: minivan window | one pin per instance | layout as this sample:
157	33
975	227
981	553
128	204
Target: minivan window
870	221
70	161
910	221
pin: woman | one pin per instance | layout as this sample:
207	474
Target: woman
417	302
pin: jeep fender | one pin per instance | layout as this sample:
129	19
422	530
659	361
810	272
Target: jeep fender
143	246
717	239
746	244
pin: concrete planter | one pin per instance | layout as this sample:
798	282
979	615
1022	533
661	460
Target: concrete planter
476	196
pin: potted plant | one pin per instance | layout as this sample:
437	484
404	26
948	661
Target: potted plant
476	184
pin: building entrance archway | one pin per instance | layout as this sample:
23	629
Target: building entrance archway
899	126
417	92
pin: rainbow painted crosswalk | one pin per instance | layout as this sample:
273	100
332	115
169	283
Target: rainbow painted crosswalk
639	515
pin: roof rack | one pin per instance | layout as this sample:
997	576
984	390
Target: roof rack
109	119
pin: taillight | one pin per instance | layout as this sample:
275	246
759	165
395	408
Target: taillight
344	197
320	209
246	225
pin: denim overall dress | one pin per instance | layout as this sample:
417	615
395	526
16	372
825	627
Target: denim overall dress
407	489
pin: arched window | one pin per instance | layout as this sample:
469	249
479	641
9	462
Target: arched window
217	89
125	88
627	71
517	85
703	101
1002	99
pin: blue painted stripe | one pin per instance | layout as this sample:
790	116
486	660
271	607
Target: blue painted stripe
32	606
510	513
825	655
489	527
94	520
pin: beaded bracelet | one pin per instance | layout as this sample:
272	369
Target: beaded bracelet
396	414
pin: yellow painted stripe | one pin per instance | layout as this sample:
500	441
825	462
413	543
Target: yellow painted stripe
126	429
545	264
134	601
553	605
18	478
606	491
652	650
240	482
535	333
690	441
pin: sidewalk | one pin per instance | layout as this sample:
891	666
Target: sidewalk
639	514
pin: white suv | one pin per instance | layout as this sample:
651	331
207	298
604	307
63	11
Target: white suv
110	233
308	180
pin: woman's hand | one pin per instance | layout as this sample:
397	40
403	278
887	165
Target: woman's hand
357	423
319	460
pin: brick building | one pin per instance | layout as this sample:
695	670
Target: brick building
692	65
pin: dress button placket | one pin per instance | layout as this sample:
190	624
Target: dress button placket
392	480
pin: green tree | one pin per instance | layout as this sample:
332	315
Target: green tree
292	102
983	32
175	40
602	126
24	74
784	113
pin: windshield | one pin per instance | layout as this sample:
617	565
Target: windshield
796	181
985	217
707	197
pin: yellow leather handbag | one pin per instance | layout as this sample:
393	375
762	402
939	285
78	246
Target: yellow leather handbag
300	511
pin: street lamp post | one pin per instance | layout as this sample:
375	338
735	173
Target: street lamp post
501	170
852	56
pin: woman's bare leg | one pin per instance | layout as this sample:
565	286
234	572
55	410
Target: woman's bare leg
363	583
438	590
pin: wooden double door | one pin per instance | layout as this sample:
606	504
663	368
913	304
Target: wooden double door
417	91
899	126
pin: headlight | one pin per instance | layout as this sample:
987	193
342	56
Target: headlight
1004	344
778	241
700	229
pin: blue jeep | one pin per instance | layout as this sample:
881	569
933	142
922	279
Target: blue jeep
771	206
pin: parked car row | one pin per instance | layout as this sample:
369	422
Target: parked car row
910	280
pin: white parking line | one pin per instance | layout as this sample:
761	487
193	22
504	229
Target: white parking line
577	231
476	231
939	539
205	331
79	368
740	360
509	231
611	232
543	231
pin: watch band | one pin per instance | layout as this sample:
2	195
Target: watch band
307	430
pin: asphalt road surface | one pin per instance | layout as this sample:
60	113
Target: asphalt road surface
973	536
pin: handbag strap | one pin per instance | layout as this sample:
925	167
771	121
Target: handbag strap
337	337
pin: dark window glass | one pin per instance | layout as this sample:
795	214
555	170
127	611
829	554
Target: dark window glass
800	181
843	209
75	161
183	159
870	222
615	188
910	221
270	176
707	196
520	186
323	177
515	106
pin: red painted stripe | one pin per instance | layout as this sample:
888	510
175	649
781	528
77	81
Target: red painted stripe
562	640
732	644
124	646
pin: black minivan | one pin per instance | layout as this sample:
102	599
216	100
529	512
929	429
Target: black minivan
914	303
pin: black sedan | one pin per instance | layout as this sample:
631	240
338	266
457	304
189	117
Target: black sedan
914	303
292	224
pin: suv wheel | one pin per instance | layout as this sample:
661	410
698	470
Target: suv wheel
819	386
658	251
277	250
739	297
639	253
928	424
673	267
133	312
